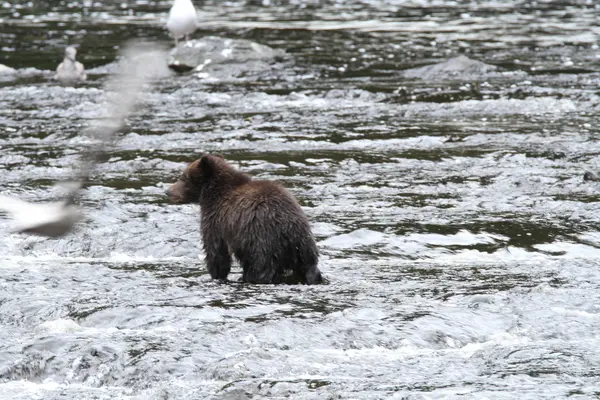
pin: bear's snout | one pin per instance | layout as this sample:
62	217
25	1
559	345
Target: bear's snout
173	193
177	193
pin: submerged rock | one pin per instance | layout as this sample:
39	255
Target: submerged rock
201	54
6	70
591	176
235	394
7	73
457	67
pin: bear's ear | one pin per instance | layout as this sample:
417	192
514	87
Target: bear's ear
194	170
207	165
203	168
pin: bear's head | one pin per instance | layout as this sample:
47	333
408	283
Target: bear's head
202	175
188	187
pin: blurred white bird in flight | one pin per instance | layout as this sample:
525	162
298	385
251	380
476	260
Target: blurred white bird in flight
142	62
46	219
183	20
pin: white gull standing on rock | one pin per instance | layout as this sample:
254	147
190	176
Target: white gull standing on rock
70	70
183	19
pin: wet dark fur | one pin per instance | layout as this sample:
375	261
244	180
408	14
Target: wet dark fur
259	222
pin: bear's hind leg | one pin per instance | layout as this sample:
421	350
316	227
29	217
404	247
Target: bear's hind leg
218	259
313	275
306	265
260	272
253	276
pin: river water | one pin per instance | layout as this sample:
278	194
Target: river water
460	243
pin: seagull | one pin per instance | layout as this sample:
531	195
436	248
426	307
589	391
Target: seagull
70	70
183	19
143	62
43	219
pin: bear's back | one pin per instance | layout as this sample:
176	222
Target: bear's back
263	201
263	211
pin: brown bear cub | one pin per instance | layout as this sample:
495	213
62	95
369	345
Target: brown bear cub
259	222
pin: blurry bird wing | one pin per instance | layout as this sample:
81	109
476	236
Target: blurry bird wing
80	71
59	220
12	204
26	213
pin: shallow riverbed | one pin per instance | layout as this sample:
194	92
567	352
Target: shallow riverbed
460	242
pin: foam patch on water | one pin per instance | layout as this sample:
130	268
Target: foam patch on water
59	326
461	238
357	238
570	250
575	313
113	258
542	105
28	390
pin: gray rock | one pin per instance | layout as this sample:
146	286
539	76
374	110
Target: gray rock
457	67
5	70
7	73
203	53
235	394
591	176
